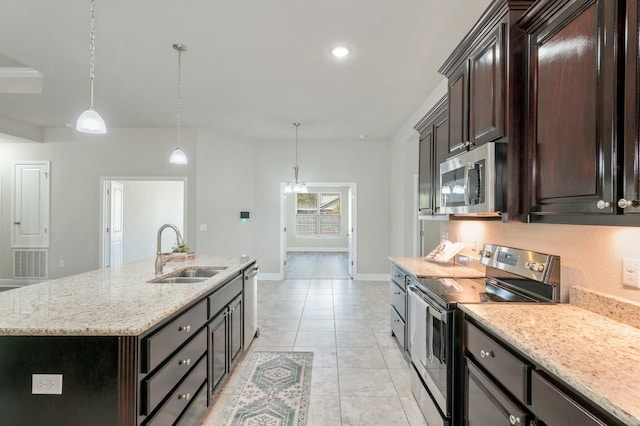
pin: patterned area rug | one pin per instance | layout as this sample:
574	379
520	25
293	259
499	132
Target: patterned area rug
274	391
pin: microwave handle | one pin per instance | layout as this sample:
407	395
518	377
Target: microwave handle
466	183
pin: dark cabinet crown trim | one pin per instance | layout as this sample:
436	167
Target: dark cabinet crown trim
489	19
428	119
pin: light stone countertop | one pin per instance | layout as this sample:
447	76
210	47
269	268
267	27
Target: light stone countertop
597	356
421	268
116	301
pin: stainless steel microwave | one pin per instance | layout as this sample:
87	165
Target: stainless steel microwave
474	182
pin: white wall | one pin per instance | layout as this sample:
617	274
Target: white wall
314	243
404	166
77	163
364	162
147	206
226	176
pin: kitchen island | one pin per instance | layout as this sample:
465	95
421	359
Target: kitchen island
110	340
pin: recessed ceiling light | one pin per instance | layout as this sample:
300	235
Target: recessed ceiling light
340	51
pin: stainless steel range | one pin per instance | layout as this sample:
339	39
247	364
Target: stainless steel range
435	324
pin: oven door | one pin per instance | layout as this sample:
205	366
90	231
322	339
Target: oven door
429	328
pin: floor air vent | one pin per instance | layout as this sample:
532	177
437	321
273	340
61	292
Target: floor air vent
30	263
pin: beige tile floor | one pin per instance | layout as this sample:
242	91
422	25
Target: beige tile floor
359	375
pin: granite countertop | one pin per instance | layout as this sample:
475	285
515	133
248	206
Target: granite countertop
116	301
421	268
597	356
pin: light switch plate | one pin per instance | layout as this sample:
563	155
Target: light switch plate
50	384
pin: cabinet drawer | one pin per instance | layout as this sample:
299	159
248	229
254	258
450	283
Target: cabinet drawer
194	413
398	277
166	340
398	299
554	407
225	294
157	386
180	398
509	370
397	326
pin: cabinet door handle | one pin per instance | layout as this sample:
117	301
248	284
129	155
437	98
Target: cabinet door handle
186	396
486	354
397	292
514	420
16	223
184	361
603	204
186	328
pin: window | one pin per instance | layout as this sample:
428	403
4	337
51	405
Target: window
318	214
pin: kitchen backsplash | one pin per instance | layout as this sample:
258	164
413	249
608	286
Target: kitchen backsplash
591	256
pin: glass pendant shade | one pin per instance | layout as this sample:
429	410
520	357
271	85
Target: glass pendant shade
91	122
178	157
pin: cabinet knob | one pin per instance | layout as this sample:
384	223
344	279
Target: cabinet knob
184	361
397	293
186	396
622	203
514	420
486	354
603	204
186	328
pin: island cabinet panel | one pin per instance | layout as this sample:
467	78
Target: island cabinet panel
177	401
93	381
158	385
165	340
582	139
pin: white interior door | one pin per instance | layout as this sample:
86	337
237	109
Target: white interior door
31	205
116	223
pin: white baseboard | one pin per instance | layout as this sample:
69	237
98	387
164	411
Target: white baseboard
10	282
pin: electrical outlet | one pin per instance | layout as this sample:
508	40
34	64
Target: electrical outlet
50	384
630	272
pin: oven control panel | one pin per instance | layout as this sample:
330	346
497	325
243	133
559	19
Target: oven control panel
526	263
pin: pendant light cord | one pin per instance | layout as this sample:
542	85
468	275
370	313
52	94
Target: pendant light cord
92	51
296	124
179	108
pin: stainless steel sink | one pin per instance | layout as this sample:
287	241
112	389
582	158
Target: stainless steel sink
190	275
200	272
184	280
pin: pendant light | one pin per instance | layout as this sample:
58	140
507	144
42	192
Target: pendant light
178	156
90	121
296	186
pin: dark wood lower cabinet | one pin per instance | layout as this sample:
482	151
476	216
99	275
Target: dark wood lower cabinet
219	342
487	404
498	394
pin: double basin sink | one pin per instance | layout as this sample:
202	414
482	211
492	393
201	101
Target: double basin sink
190	275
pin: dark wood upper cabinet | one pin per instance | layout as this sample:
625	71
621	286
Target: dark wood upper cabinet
483	71
629	200
576	145
434	139
486	77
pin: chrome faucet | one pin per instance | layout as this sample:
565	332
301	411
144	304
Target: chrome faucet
160	257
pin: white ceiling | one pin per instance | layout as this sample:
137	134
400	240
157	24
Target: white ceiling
252	66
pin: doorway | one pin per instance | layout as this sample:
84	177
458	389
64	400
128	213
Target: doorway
318	232
133	209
